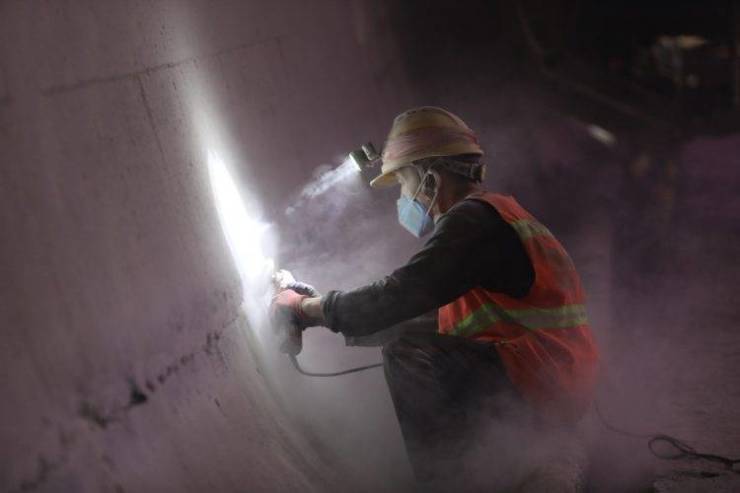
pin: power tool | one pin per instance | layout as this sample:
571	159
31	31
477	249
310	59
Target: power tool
290	334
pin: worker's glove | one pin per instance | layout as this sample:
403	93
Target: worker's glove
283	279
286	308
303	288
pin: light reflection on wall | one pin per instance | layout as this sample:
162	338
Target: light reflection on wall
248	240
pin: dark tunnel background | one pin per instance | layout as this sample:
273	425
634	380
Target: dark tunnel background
128	364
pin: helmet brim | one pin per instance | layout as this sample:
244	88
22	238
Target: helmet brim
384	180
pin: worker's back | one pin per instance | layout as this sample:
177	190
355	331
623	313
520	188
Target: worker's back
543	338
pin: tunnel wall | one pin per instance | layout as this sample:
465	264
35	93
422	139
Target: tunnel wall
127	365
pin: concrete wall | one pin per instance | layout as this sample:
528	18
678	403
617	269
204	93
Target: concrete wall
127	365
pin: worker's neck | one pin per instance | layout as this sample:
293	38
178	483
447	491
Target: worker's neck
448	197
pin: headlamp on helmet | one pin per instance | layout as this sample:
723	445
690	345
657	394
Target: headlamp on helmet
365	157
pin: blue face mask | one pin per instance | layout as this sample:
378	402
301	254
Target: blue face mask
414	216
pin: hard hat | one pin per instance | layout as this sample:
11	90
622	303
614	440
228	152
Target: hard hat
420	133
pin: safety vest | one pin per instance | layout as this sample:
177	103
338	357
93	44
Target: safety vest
543	339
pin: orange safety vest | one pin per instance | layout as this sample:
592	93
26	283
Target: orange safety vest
543	339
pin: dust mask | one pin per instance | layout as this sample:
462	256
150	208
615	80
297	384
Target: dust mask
412	214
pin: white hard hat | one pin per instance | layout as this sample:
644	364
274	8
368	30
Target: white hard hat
421	133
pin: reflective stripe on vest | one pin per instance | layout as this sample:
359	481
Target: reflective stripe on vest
530	318
543	338
527	228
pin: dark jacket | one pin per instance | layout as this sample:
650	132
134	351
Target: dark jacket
471	246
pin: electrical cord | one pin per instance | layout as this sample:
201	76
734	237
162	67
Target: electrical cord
683	450
300	370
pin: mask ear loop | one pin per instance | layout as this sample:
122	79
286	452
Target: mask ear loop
421	185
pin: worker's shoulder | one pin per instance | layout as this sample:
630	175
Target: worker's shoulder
472	214
475	208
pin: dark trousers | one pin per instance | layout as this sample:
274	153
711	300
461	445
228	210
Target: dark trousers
446	389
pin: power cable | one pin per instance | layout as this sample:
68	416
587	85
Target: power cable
682	449
300	370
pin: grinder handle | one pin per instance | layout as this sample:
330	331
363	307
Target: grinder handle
292	342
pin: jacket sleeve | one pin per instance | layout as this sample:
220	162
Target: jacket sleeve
450	264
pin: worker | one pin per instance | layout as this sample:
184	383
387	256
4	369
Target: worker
513	338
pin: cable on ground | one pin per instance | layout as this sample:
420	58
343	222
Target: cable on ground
682	449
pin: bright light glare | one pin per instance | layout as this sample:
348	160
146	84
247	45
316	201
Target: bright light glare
354	166
330	178
326	180
602	135
246	237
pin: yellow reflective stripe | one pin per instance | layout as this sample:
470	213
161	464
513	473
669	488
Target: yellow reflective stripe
529	318
549	318
480	319
526	228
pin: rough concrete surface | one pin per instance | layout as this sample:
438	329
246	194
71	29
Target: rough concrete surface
126	363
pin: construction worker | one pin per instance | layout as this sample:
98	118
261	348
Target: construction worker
513	338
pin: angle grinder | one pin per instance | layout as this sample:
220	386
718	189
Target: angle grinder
290	333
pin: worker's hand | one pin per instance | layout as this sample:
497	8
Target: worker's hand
286	307
283	279
303	288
